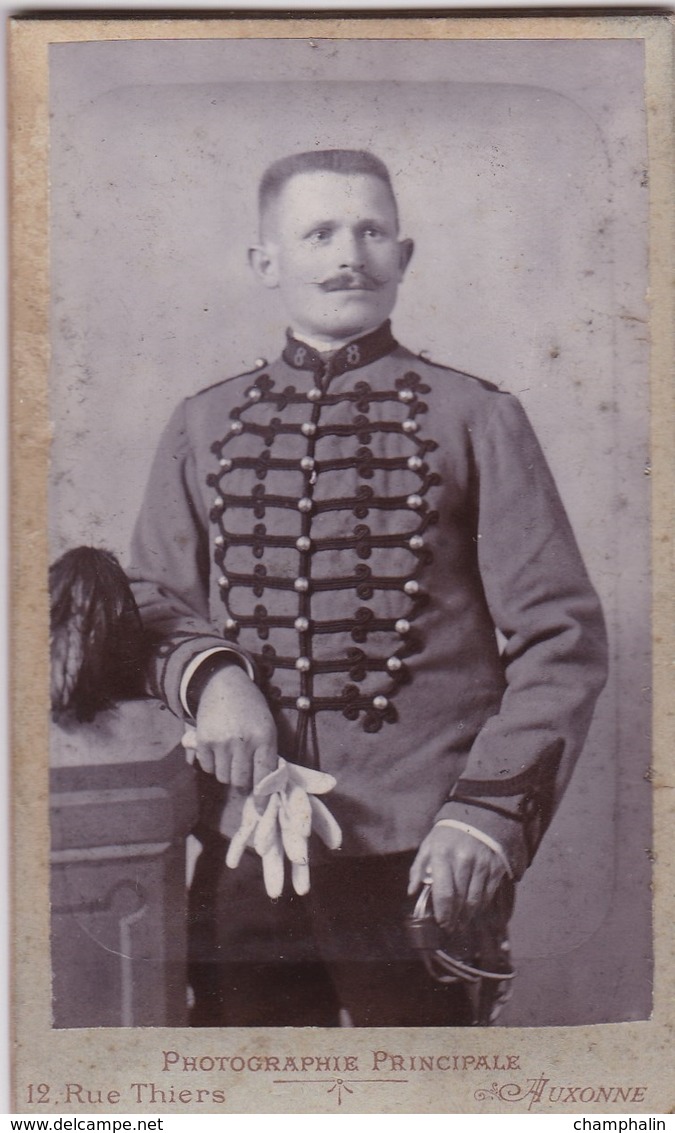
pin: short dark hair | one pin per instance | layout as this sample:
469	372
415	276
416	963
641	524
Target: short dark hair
325	161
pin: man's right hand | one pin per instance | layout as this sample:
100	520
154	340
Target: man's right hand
236	734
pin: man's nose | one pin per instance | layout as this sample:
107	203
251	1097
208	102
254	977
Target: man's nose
351	251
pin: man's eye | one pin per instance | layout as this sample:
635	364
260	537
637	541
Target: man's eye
372	231
319	235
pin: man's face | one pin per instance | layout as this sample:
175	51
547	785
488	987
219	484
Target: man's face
330	244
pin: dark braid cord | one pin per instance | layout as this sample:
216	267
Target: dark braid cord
264	426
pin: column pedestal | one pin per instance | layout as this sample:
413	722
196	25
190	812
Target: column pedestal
122	803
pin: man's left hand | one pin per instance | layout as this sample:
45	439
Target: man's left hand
465	875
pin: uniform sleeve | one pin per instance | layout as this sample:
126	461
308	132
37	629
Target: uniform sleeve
170	568
541	599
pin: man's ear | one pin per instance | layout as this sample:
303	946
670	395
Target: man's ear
405	251
263	259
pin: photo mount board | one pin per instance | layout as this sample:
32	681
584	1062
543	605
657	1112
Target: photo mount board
64	316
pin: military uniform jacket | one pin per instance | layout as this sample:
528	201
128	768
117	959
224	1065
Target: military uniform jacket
359	525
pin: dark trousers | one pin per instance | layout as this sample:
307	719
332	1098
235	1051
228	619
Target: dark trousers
296	961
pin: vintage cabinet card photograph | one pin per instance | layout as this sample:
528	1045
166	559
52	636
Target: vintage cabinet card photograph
341	479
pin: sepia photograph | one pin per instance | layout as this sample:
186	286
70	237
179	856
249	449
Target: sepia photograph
348	582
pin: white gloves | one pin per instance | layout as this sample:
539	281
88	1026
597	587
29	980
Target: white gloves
285	824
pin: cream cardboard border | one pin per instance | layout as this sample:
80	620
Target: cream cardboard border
111	1058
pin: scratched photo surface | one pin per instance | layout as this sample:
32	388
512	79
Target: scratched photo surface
520	171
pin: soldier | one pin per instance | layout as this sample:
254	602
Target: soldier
326	549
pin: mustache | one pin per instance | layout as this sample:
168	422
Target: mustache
350	281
